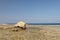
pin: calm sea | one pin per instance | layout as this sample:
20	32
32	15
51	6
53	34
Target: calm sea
38	23
43	23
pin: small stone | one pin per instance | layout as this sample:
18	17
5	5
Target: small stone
15	29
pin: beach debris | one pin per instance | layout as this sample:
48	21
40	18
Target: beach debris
4	24
21	25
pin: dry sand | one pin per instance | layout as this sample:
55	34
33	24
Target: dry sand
33	32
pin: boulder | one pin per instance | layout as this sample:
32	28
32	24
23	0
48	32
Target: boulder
21	24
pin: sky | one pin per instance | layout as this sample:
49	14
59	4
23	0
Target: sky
30	11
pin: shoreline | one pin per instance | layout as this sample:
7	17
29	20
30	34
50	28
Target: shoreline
33	32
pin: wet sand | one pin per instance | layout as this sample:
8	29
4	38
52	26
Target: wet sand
33	32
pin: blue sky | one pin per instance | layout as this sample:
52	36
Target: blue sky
30	11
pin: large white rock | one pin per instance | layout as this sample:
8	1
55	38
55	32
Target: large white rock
21	24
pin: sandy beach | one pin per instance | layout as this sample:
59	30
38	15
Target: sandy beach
33	32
